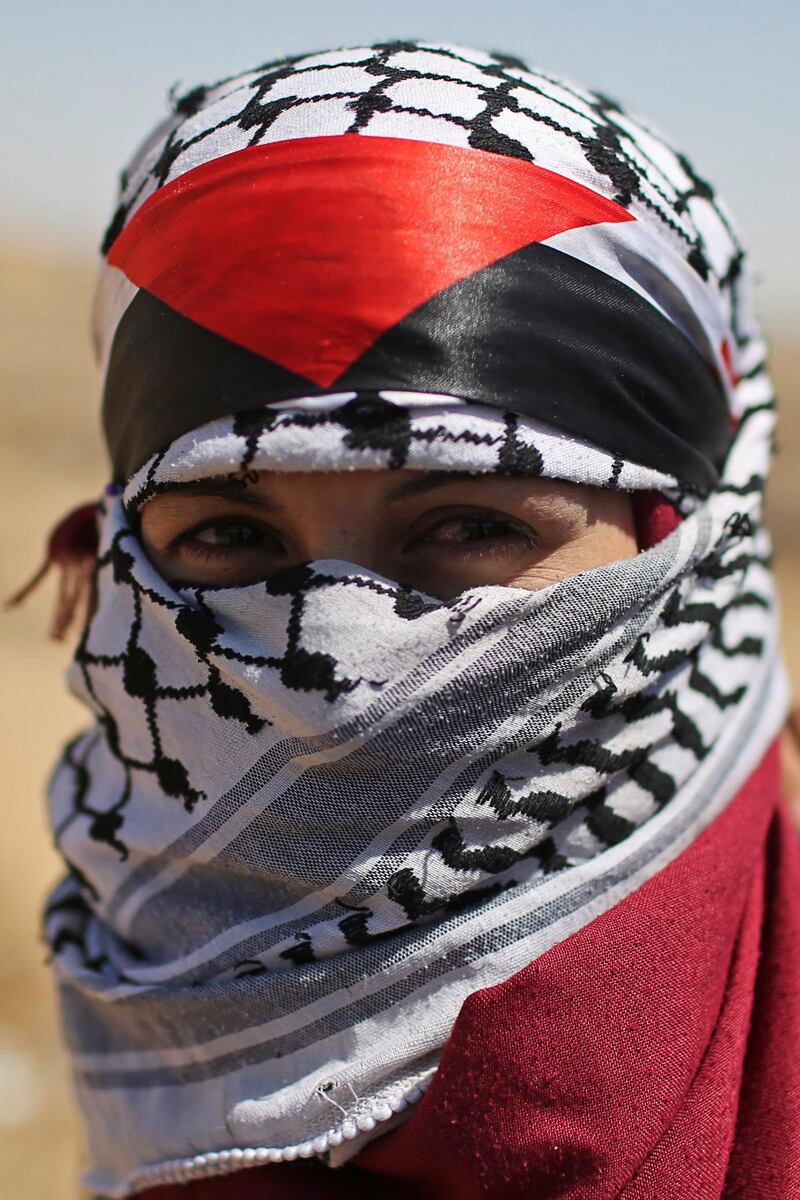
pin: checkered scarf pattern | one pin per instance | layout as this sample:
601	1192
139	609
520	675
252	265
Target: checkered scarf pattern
295	847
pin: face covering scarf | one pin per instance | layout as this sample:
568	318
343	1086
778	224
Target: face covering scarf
316	814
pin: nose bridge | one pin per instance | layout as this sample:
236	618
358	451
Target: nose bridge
338	522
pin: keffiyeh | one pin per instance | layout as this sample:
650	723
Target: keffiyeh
315	814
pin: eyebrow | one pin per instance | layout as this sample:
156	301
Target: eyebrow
222	489
238	490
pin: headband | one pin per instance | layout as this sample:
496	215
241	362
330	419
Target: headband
422	225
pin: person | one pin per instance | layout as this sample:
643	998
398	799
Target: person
428	839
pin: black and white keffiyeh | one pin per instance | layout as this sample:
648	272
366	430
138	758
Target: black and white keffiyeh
314	814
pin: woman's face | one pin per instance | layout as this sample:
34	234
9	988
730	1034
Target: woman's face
439	532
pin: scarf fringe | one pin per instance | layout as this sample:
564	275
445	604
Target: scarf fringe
72	548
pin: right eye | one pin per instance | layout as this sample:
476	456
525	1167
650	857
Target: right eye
227	550
232	533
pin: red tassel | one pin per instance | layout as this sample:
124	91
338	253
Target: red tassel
72	547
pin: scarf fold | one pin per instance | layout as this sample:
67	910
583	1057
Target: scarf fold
318	817
651	1054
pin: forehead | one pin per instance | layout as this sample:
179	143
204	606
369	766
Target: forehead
364	495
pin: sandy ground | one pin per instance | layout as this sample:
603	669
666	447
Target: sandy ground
50	460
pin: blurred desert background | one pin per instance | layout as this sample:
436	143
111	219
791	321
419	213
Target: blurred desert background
51	460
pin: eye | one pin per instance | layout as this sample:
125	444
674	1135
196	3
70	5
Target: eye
227	535
233	533
476	533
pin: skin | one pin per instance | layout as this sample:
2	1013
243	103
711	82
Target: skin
440	532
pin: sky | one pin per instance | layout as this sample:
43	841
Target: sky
81	82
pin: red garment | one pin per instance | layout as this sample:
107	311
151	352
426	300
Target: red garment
653	1054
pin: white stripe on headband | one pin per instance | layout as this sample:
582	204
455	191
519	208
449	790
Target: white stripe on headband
443	434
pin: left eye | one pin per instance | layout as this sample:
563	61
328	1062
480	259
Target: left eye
472	529
463	531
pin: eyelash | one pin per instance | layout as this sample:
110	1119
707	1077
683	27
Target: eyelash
482	544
